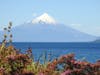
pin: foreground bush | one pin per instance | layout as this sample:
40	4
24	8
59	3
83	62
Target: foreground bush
13	62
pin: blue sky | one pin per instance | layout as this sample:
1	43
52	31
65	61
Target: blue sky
82	15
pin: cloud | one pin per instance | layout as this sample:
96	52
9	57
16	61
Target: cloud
76	25
34	14
93	30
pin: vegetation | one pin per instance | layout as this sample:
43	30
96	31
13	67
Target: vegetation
13	62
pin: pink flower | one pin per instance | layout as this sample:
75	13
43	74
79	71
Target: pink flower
11	57
68	72
41	74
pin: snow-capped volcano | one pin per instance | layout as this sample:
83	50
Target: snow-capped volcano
44	19
45	29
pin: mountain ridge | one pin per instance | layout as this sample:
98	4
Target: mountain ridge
49	33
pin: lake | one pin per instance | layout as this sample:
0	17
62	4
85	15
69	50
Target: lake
82	51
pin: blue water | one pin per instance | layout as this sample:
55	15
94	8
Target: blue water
86	51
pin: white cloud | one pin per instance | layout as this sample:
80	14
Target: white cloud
76	26
34	14
93	30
